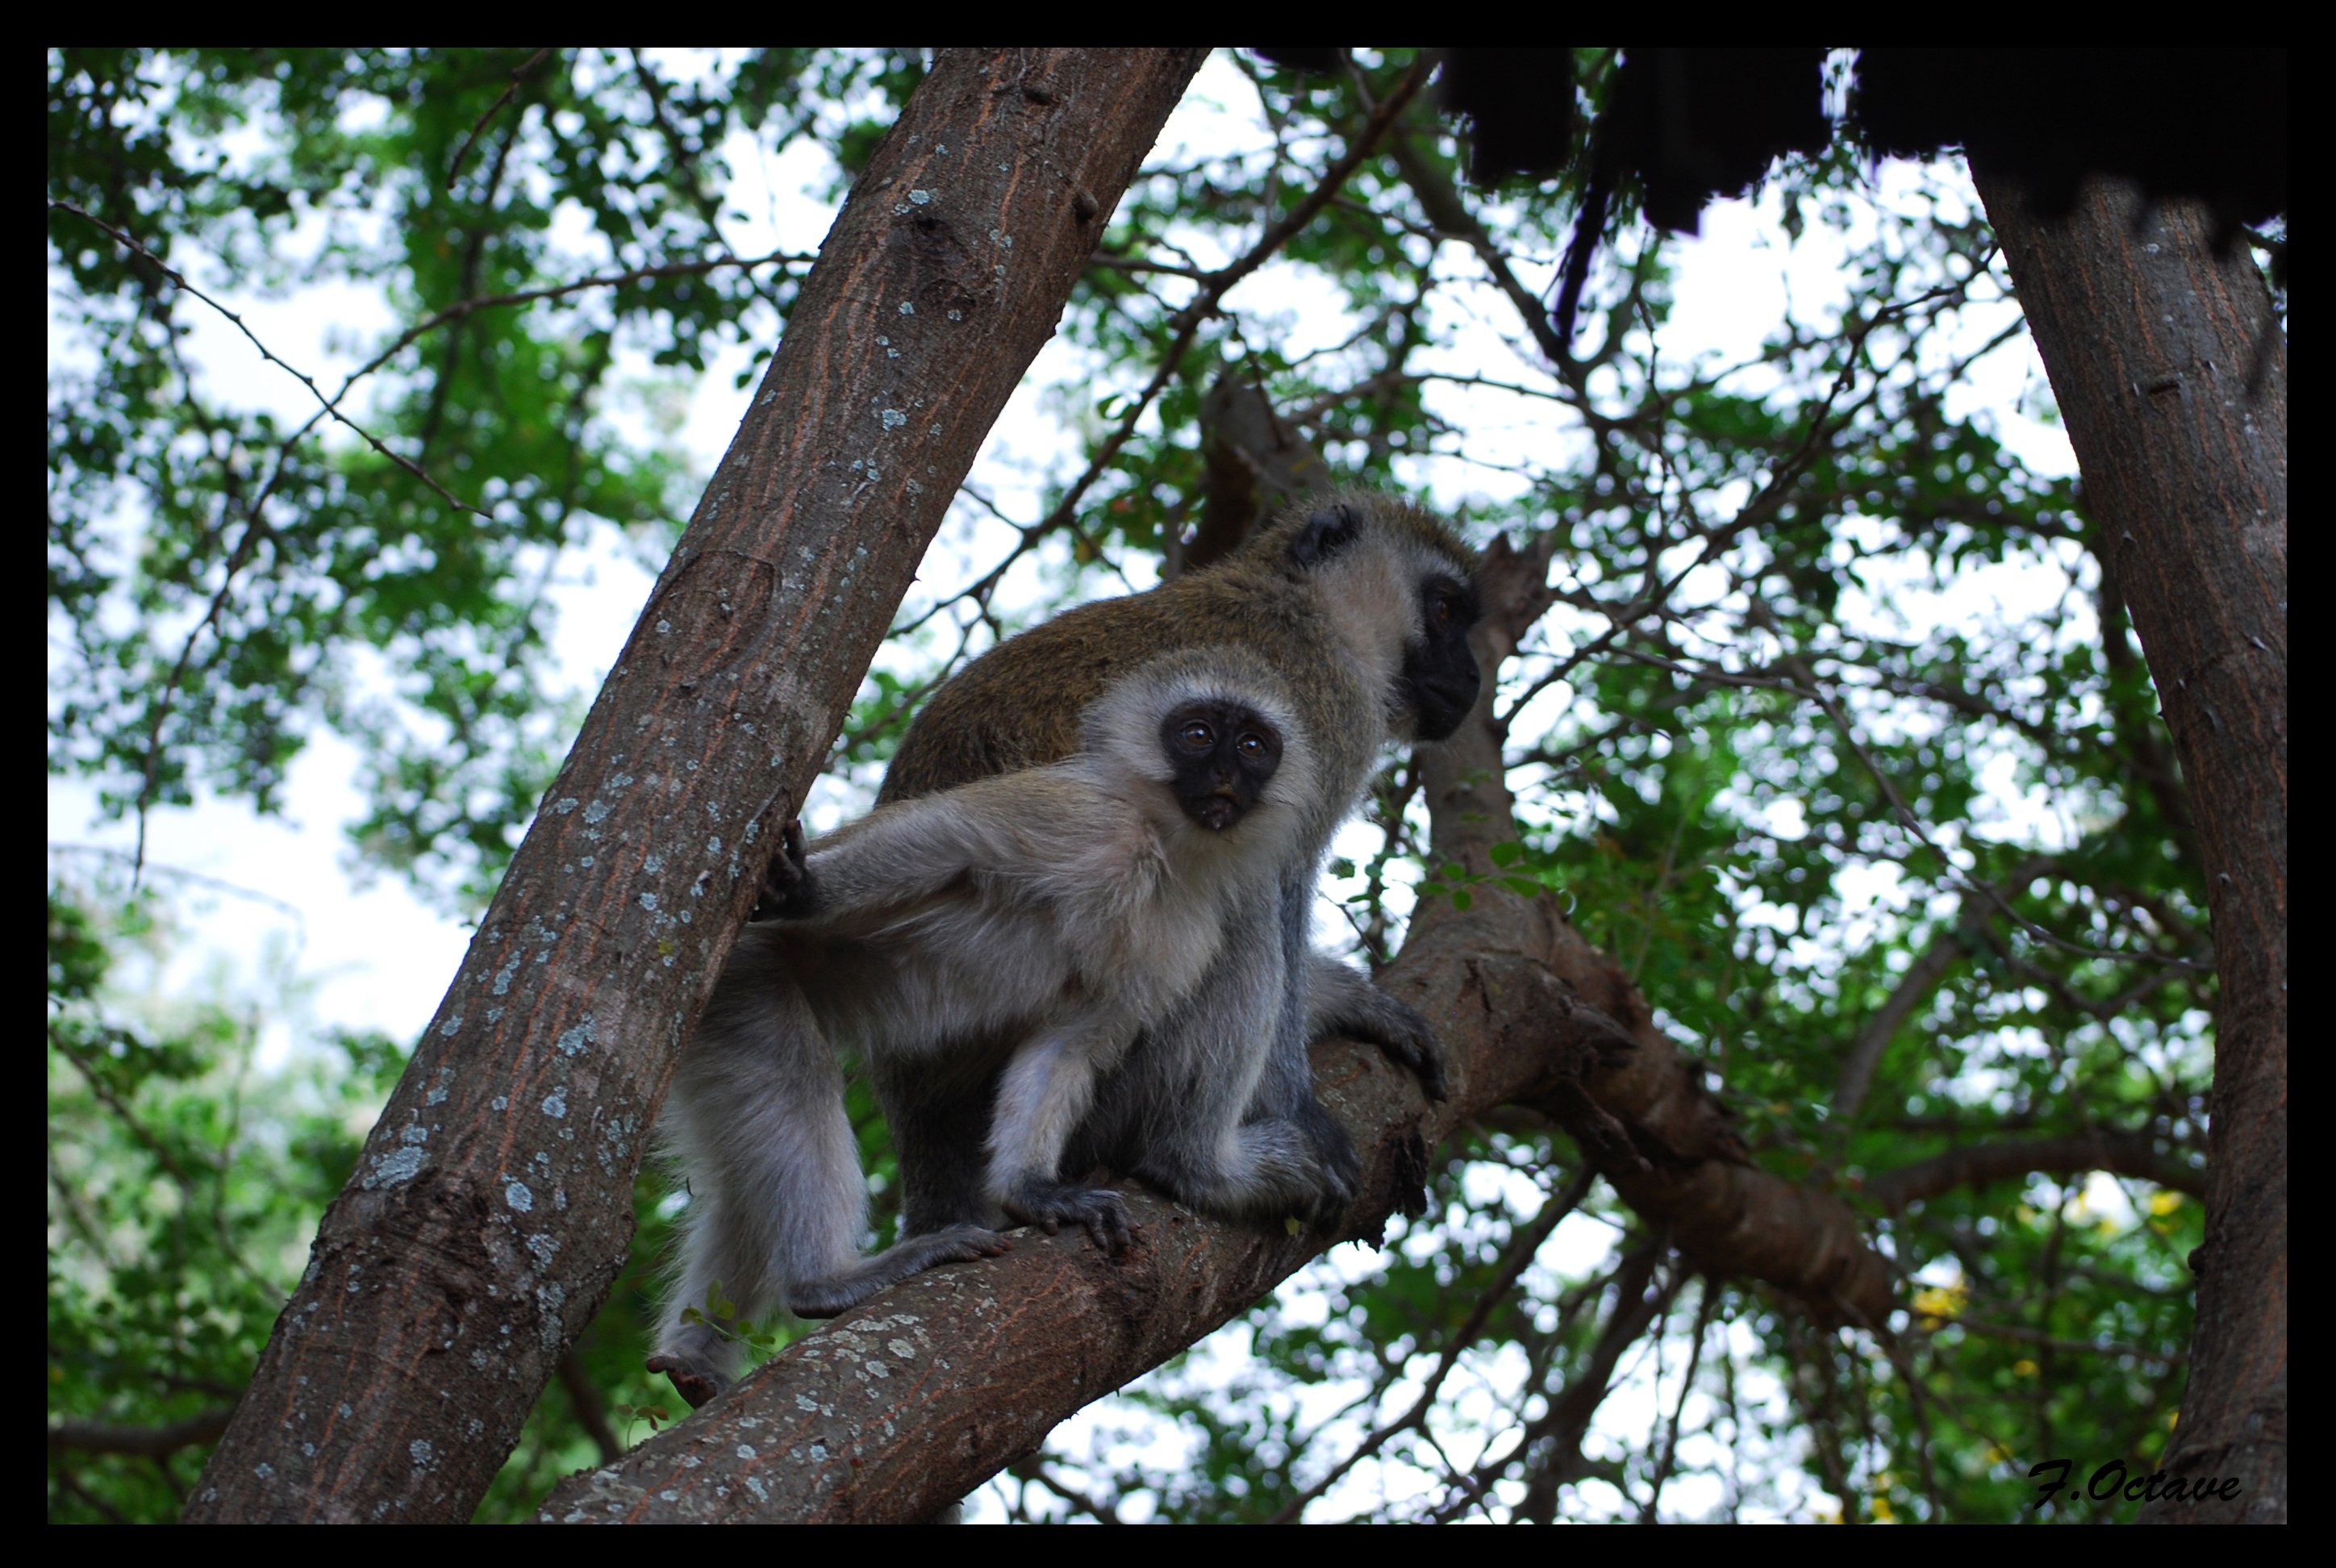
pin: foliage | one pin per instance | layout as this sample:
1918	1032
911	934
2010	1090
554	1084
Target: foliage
183	1188
1835	706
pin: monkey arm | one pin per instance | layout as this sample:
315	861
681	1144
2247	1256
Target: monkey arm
1342	1001
907	853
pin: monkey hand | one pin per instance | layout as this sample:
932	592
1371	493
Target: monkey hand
1342	1002
789	893
1397	1028
1100	1212
692	1381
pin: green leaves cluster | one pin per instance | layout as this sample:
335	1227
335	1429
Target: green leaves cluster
1835	739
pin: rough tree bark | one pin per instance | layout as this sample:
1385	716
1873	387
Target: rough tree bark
2171	374
902	1407
491	1207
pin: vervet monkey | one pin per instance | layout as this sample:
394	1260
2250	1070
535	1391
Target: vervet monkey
1061	911
1361	607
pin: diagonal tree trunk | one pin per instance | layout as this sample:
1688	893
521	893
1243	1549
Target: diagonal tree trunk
2171	374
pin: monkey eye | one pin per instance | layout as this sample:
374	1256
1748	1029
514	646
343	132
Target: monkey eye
1250	745
1197	736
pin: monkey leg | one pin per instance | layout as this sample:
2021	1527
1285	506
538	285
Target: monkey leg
1186	1119
938	1121
1045	1092
755	1123
1284	1084
1214	1105
1268	1170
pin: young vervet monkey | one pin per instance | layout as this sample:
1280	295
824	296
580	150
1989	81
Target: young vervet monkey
1361	607
1061	911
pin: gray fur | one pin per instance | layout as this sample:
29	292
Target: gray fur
1056	913
1362	609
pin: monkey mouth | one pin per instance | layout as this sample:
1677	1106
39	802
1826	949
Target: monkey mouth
1216	812
1442	701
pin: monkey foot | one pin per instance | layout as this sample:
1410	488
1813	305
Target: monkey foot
693	1382
1100	1212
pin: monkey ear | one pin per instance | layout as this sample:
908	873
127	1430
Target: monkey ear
1326	534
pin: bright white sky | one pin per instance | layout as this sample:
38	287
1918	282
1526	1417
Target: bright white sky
258	893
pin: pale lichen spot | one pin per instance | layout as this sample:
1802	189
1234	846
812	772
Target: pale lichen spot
517	1195
393	1169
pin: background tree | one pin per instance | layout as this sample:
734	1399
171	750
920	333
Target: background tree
1831	737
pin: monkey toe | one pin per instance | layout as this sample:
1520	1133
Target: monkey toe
691	1382
1341	1168
1108	1224
1113	1234
786	880
1412	1041
1426	1061
970	1243
1100	1212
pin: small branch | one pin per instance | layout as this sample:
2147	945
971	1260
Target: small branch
152	1442
454	170
273	358
1186	322
2073	1346
2120	1153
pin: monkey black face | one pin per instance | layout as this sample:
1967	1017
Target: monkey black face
1219	754
1439	670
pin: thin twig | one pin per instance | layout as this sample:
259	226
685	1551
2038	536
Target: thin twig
274	358
454	170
